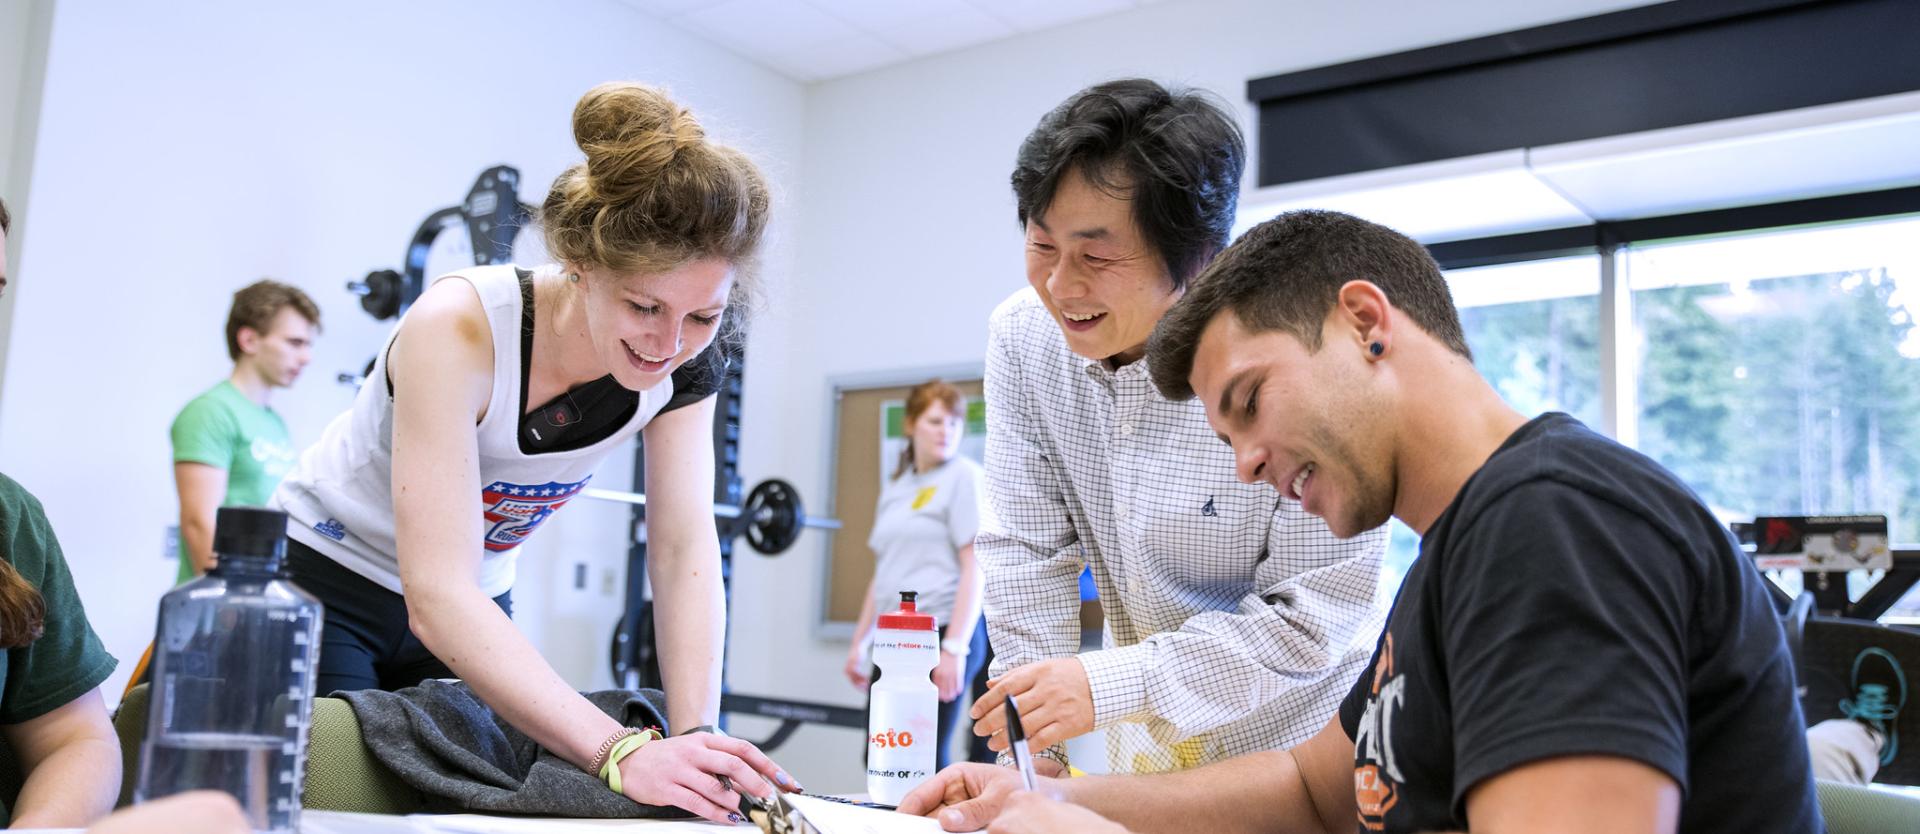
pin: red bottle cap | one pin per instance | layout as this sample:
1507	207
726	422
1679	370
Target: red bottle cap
907	617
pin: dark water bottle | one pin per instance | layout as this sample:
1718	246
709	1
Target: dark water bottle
233	665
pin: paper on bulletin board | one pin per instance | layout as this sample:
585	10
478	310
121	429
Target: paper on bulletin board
1831	543
893	433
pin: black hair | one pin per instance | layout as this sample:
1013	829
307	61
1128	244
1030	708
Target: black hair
1175	154
1286	274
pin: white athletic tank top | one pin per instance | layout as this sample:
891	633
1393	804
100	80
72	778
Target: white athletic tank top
339	498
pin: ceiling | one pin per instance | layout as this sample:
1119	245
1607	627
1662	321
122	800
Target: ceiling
815	40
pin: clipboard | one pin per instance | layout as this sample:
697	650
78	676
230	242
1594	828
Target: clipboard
815	814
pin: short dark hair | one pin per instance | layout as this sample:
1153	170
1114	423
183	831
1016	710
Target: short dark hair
1175	154
1285	274
6	220
255	305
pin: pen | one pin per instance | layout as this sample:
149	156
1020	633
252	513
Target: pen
1017	743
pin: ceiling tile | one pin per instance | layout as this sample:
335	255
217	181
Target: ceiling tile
765	29
1028	16
668	8
927	35
813	40
878	15
815	62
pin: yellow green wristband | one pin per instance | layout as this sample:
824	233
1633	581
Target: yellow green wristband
610	772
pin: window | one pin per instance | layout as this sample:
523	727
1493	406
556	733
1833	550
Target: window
1779	371
1533	327
1775	371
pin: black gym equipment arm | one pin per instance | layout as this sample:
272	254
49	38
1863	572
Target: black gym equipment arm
791	714
1893	585
493	215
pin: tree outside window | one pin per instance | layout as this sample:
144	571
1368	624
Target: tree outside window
1776	372
1780	371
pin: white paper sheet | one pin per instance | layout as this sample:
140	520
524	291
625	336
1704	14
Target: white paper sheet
483	824
838	818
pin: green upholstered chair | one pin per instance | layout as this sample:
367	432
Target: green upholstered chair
1853	809
342	774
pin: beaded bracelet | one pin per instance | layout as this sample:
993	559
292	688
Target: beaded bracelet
610	772
606	747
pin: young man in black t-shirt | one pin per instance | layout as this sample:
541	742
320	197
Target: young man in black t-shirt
1581	646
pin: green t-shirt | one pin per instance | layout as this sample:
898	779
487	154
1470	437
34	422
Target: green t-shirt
223	429
68	660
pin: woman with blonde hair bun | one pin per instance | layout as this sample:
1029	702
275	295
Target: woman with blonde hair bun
508	386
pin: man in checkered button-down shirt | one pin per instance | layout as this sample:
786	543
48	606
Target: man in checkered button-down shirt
1235	620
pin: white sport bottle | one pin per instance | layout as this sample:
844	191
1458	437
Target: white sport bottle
902	725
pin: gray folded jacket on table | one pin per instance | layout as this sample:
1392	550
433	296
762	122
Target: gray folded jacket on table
441	739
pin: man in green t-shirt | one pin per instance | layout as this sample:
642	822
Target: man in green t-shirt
229	448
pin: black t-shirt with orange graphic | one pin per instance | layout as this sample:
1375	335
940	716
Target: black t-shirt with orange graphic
1577	599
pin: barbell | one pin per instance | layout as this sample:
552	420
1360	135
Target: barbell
770	518
381	293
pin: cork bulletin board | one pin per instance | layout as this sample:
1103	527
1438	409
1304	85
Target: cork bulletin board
867	435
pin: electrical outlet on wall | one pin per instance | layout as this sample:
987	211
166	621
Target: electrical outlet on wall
170	543
579	576
607	582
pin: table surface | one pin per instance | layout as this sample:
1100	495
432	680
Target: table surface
335	822
340	822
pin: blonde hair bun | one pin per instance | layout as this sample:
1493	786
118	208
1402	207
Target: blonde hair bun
653	192
631	133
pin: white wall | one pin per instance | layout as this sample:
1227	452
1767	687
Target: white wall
188	149
23	56
908	240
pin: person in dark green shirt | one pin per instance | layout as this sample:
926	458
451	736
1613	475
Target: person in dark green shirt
51	667
229	448
52	717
